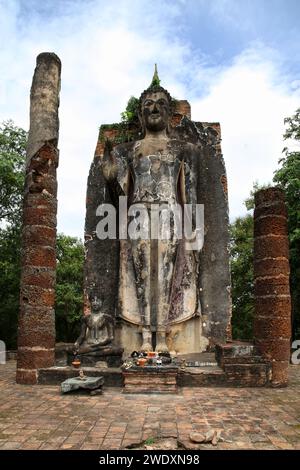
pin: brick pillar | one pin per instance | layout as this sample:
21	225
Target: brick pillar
36	330
272	323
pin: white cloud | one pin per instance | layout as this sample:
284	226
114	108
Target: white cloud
250	99
108	51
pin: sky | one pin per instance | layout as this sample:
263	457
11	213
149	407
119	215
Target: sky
236	61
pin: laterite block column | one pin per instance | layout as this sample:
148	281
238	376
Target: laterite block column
272	324
36	330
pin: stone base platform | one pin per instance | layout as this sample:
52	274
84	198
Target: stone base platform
239	365
243	365
150	379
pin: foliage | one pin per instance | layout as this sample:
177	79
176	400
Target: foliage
9	284
241	253
12	162
131	112
69	287
288	177
70	250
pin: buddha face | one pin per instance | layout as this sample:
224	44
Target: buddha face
96	305
155	111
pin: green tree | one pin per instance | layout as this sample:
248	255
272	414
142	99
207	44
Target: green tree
288	177
9	284
12	162
69	250
69	287
241	255
131	112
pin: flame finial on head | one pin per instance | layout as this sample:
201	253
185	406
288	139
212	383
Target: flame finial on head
155	80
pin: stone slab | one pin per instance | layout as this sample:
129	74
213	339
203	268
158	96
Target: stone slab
87	383
56	375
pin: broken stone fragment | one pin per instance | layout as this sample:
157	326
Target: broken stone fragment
197	437
209	435
88	383
216	438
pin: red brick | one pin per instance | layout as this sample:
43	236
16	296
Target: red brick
272	327
278	349
271	246
275	208
268	196
264	287
32	359
37	235
39	276
270	224
39	216
280	374
271	267
40	256
44	200
35	295
273	306
36	327
26	377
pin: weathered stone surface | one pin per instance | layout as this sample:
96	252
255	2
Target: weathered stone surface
201	377
277	348
272	327
150	380
40	256
102	257
214	279
101	265
268	223
242	364
247	375
269	197
272	324
37	296
197	437
26	376
40	216
39	276
271	267
273	306
39	235
36	331
86	383
269	246
280	373
275	286
34	357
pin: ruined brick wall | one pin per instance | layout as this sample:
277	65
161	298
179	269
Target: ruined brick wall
272	324
36	330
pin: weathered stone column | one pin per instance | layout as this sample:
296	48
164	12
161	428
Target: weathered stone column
272	324
36	331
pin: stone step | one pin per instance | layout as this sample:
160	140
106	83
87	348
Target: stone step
248	375
234	374
236	349
201	377
244	360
